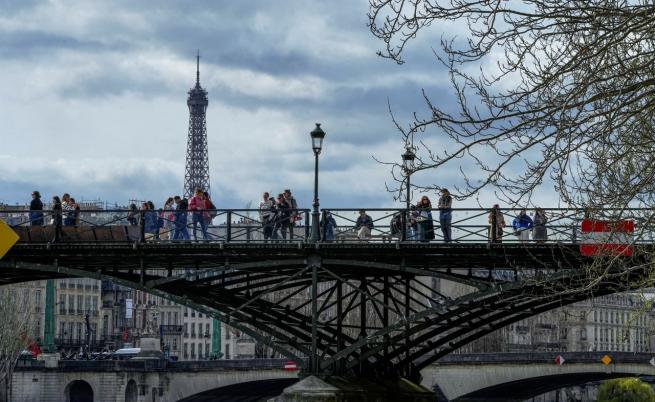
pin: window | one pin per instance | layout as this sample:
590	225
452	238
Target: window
193	313
71	304
193	329
186	351
62	329
207	329
80	306
175	315
62	304
193	350
186	330
175	343
200	350
105	325
87	304
227	350
79	331
94	305
37	300
169	315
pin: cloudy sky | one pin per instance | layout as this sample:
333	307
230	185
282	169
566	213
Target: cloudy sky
94	98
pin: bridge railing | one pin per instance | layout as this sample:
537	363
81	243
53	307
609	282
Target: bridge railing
338	225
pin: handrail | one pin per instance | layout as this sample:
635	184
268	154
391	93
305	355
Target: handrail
386	225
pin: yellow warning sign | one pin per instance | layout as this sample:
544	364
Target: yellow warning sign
606	360
7	238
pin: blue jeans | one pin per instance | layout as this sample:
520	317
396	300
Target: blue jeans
180	232
445	219
198	218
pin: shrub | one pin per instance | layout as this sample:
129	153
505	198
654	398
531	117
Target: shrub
625	390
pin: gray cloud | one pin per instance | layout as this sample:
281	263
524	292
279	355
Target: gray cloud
94	98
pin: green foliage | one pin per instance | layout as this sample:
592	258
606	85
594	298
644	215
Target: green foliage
625	390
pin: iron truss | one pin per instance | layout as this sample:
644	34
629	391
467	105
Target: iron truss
347	309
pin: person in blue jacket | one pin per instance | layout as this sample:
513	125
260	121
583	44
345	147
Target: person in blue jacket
522	226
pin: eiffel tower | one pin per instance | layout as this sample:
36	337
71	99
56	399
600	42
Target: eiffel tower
197	161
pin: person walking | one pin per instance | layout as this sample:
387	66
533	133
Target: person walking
522	226
282	217
68	210
198	208
181	232
425	223
295	214
496	224
539	231
57	218
267	215
36	209
363	226
149	220
445	214
328	224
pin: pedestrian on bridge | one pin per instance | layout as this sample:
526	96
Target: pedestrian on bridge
295	214
36	209
267	215
328	224
522	226
68	209
424	220
57	218
181	232
168	218
496	224
445	214
539	231
282	217
198	207
364	226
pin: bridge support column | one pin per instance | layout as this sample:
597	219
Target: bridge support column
345	389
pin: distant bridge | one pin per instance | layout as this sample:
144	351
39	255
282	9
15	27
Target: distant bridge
519	376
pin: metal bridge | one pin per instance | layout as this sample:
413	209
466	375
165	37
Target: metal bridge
343	306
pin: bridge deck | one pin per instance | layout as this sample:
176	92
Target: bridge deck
409	254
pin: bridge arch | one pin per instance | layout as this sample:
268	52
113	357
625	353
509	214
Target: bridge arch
79	391
260	388
131	391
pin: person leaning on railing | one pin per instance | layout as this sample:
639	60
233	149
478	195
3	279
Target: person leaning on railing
57	218
267	215
181	232
425	223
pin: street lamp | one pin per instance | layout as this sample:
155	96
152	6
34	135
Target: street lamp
317	136
408	166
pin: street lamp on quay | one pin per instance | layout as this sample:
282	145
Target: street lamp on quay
317	136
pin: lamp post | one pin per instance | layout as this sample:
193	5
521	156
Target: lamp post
408	166
317	136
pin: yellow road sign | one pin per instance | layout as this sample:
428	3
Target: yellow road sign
7	238
606	360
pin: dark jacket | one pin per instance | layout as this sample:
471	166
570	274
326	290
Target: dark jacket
57	214
282	212
36	217
364	220
181	212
